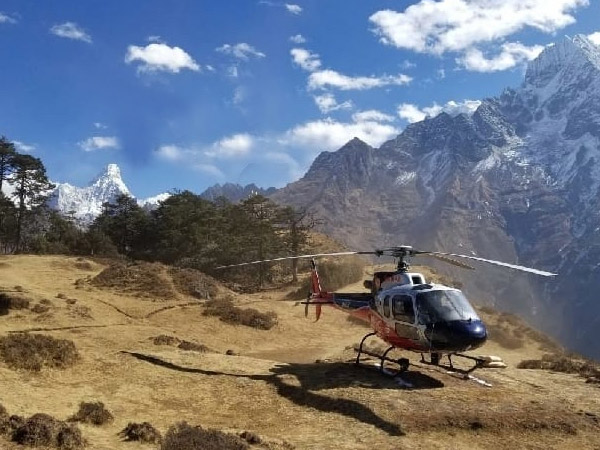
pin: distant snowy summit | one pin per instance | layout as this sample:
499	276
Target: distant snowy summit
85	203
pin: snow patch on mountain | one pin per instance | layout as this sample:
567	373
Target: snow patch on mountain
84	204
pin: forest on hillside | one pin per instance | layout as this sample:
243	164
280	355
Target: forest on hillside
185	230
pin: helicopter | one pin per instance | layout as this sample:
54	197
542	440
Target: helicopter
407	312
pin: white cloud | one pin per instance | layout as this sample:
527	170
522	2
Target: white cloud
100	126
171	152
160	57
294	9
209	169
5	18
512	53
240	51
232	71
304	58
71	30
372	115
441	74
412	113
328	134
99	143
239	95
406	64
155	38
332	79
231	146
595	37
327	103
23	147
456	25
298	39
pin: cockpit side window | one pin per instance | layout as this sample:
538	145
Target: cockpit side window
386	306
403	308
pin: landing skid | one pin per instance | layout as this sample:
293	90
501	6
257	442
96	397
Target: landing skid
465	374
403	363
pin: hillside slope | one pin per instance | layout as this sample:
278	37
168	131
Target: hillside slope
271	385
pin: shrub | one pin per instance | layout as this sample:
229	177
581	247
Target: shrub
13	301
250	437
140	278
164	339
44	430
192	346
186	437
194	283
228	313
563	363
92	412
34	351
40	309
141	432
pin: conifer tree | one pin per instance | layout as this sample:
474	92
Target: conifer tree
31	189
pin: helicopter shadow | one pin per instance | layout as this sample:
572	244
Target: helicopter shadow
320	376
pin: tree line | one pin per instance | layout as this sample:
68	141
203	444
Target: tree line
185	230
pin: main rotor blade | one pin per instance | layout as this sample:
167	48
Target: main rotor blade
491	261
451	261
317	255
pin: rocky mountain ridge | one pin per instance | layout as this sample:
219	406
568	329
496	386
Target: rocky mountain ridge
518	180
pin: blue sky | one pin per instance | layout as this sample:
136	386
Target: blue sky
188	93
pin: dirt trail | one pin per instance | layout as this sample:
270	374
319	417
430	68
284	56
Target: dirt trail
274	381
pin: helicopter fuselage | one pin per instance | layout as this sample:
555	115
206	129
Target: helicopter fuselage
408	313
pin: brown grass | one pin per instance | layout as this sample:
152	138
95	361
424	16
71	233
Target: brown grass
146	280
141	432
186	437
92	412
225	310
194	283
34	351
44	430
504	336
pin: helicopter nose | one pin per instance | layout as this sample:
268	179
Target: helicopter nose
457	335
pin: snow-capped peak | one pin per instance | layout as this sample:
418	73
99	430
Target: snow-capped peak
85	204
571	52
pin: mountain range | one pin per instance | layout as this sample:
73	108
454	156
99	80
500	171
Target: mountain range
517	180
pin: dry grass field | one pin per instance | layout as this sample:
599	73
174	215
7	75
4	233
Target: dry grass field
265	384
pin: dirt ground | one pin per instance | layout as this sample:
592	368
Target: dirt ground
272	384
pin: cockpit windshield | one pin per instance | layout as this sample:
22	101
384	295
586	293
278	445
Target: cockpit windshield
446	305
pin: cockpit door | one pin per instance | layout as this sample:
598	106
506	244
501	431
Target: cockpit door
404	316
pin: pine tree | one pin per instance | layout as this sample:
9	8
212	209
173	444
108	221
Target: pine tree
31	189
7	155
